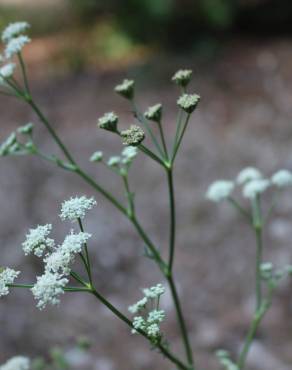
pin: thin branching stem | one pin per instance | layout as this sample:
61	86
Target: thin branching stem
87	258
145	124
122	317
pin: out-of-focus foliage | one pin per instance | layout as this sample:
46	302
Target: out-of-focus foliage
182	22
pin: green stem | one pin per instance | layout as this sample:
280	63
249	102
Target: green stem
144	122
258	226
87	265
42	117
181	321
260	313
67	289
122	317
163	139
259	257
150	154
78	278
178	127
131	205
156	255
181	136
23	68
241	210
172	227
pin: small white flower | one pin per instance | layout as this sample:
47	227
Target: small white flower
114	161
282	178
139	323
182	77
15	45
7	145
7	70
37	240
156	316
126	88
153	330
154	292
248	174
63	256
188	102
48	288
96	157
16	363
154	113
14	29
7	276
255	187
139	306
219	190
128	154
75	208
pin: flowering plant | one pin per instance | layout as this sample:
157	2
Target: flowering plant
59	276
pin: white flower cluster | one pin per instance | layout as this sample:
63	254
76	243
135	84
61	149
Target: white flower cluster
15	45
7	276
188	102
48	288
149	321
220	190
51	284
122	163
7	70
252	181
59	261
75	208
14	41
14	30
16	363
37	240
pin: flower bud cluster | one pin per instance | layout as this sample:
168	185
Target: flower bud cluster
133	136
182	77
15	145
154	113
126	89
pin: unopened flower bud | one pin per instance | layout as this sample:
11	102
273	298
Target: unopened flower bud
108	122
188	102
154	113
126	89
182	77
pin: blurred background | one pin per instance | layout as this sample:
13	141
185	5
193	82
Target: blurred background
241	54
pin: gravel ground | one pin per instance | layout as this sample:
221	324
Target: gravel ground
244	119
